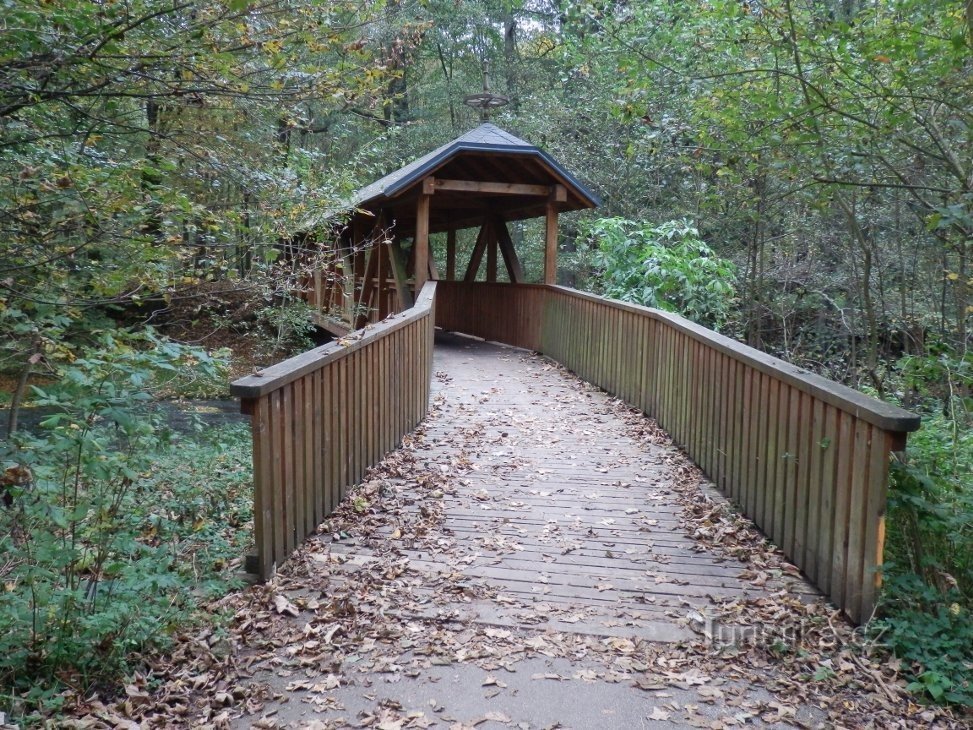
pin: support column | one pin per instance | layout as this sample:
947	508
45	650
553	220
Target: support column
558	194
399	263
422	240
478	248
451	254
510	260
491	272
550	238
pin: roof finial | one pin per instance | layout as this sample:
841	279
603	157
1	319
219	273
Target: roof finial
486	100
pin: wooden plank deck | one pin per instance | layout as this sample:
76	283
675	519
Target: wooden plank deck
560	516
537	555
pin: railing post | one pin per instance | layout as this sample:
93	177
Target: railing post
558	193
422	235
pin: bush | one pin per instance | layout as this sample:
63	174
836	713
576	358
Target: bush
927	610
665	266
931	631
112	528
290	326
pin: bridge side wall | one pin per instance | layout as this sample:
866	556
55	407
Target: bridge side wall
805	458
320	419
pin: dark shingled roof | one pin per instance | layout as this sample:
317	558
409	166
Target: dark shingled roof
485	138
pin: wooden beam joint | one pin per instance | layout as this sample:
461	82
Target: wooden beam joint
490	188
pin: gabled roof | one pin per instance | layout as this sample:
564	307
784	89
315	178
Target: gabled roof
485	139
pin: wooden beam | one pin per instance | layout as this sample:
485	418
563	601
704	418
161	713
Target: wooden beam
550	238
338	329
348	288
510	260
367	289
398	260
535	208
380	279
491	271
421	242
318	291
490	188
477	255
451	254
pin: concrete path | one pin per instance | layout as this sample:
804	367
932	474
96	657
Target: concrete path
534	557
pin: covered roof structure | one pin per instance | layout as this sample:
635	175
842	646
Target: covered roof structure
485	169
483	179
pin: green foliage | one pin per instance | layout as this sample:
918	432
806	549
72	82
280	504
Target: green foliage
289	324
665	266
931	506
789	132
161	143
928	595
932	633
931	492
112	527
941	376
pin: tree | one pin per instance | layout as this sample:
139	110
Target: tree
146	145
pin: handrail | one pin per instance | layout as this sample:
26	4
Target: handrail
320	419
880	413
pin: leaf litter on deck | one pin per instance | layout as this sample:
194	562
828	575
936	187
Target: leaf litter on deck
382	593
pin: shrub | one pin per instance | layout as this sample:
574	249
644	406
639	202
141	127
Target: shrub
665	266
927	610
931	631
111	526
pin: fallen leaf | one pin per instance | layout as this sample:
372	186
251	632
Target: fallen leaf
283	606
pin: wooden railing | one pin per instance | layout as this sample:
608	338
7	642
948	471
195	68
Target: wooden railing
806	458
320	419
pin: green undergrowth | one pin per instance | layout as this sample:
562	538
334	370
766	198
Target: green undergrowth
114	530
926	616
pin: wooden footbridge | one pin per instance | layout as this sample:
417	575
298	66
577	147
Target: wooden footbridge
805	458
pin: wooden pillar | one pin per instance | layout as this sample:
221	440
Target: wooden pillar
558	194
422	240
550	244
477	255
510	260
491	272
451	254
318	290
399	264
348	273
380	280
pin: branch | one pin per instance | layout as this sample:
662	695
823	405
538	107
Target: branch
873	184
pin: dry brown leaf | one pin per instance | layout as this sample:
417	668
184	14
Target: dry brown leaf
659	714
283	606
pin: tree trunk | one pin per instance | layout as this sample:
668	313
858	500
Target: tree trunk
510	56
18	395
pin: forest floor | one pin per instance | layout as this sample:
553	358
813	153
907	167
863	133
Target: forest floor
535	555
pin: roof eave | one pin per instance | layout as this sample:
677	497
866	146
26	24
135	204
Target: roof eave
403	184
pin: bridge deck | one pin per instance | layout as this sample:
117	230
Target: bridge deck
569	508
526	558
